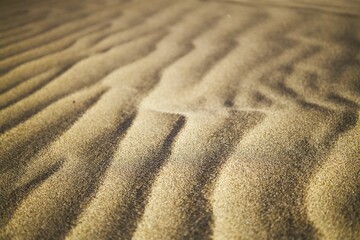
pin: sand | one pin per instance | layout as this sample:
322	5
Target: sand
210	119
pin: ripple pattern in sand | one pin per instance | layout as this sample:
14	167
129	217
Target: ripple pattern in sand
197	119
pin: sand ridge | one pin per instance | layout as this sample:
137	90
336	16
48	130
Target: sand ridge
196	119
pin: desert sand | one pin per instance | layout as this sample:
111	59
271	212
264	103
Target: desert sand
161	119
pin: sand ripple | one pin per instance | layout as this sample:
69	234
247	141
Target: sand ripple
230	119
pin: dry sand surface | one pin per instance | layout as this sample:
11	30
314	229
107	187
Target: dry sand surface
165	119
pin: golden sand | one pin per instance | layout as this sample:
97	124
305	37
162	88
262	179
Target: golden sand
208	119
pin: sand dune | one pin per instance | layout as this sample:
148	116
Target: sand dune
212	119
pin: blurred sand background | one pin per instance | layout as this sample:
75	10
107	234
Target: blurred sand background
167	119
